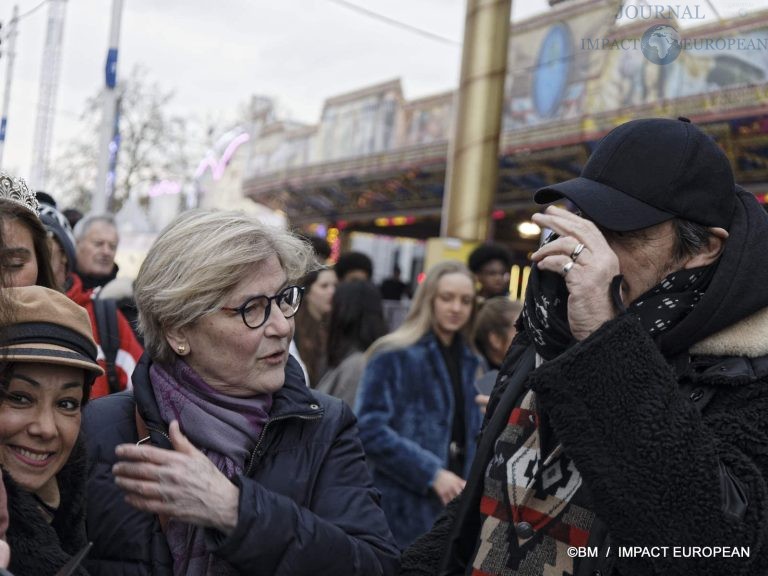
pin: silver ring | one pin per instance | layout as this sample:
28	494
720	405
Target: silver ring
577	251
567	268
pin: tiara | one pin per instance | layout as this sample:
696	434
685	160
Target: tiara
16	190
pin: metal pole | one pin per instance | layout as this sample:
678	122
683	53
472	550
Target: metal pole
105	180
12	33
473	165
46	97
114	150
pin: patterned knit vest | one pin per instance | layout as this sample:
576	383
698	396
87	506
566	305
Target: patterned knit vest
533	507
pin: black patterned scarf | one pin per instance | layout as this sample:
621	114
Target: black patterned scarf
545	312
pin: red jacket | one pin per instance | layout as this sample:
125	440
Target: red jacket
127	355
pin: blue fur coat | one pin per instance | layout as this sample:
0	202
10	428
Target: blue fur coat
405	406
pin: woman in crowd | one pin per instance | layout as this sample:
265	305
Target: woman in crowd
48	364
493	332
357	320
494	329
61	243
220	460
5	318
417	417
26	257
311	336
27	260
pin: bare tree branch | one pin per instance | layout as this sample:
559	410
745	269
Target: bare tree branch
155	145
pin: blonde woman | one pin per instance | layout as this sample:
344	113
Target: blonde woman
416	410
220	460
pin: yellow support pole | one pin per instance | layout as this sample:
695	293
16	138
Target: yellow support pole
473	171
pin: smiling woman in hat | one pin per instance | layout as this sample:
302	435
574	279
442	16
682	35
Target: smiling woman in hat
48	364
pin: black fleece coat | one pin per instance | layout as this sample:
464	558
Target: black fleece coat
39	548
670	436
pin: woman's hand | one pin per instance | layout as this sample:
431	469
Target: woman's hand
181	483
5	551
5	554
447	485
482	401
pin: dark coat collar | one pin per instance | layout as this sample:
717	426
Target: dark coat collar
431	341
90	281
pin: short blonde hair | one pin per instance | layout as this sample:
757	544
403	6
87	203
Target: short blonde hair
197	261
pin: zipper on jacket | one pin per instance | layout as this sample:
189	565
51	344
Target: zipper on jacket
253	455
149	429
263	434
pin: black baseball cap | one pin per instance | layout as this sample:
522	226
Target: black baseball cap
648	171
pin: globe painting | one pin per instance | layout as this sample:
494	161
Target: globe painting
661	44
553	67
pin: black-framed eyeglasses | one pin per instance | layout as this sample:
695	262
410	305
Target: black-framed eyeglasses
255	311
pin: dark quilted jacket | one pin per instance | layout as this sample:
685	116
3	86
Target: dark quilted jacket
307	506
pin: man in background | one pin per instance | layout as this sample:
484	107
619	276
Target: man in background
119	349
97	238
354	266
490	263
393	288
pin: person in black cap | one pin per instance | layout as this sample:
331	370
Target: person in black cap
626	434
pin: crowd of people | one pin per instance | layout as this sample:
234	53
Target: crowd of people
243	407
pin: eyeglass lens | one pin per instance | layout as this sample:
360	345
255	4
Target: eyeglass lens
257	310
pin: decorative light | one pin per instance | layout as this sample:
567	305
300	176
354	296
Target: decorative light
394	221
165	188
334	242
514	282
217	167
528	229
524	285
498	214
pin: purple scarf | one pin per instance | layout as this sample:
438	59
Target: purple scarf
225	429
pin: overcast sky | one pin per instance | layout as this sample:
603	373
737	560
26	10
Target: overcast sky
216	54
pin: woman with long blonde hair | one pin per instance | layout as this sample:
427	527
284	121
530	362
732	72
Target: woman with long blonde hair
415	404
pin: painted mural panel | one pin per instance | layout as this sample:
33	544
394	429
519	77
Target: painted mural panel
547	71
685	62
718	62
597	59
429	120
359	126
